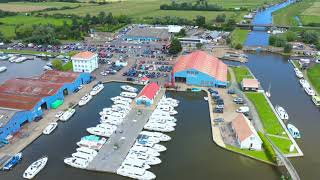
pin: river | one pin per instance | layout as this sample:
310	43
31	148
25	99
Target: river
191	153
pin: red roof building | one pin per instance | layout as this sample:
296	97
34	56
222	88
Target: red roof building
148	94
190	67
250	84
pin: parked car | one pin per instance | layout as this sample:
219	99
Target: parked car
238	100
231	91
243	109
220	106
218	110
218	120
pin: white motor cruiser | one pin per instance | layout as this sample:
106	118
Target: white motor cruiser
82	155
309	91
160	136
298	73
100	131
167	118
118	98
67	114
59	114
125	103
128	94
35	168
162	121
151	160
135	163
158	127
304	83
144	150
129	88
87	150
96	89
91	144
76	162
135	173
3	68
85	99
282	113
157	147
51	127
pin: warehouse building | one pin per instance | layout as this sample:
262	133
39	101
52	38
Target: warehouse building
23	100
201	69
147	33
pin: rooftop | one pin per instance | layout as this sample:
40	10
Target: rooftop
202	62
250	83
242	127
149	32
59	76
85	55
150	90
5	116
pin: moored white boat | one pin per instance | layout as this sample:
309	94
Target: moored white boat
91	144
12	162
298	73
100	131
304	83
160	136
67	114
87	150
144	150
282	113
51	127
129	88
96	89
128	94
309	91
76	162
293	131
135	173
3	68
85	99
135	163
158	127
157	147
82	155
35	168
150	159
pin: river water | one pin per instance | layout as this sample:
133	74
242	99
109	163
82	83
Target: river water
191	153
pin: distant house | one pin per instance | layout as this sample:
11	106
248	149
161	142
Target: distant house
246	135
148	93
85	62
250	84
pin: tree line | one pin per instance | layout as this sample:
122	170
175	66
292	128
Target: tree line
198	6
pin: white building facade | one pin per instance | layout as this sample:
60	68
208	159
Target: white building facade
85	62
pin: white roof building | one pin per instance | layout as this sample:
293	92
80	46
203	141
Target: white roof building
247	136
174	28
85	62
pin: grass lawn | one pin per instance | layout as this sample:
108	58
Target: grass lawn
241	72
26	52
138	9
314	76
306	10
35	6
7	31
261	155
22	19
282	144
67	66
239	36
268	118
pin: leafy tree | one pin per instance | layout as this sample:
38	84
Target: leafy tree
231	22
181	33
238	46
272	39
102	17
1	37
23	31
221	18
43	34
318	46
200	21
199	45
287	48
175	46
291	36
57	64
310	37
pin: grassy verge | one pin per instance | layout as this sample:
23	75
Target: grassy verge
241	72
314	76
26	52
259	155
282	144
239	36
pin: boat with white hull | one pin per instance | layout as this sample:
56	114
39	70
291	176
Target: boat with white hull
135	163
304	83
135	173
121	102
3	68
98	88
14	160
128	94
51	127
282	113
86	150
294	131
129	88
162	121
91	145
100	131
76	162
67	114
35	168
144	150
117	98
160	136
158	127
82	155
151	160
157	147
85	99
298	73
309	91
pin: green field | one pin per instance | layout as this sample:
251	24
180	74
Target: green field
144	8
7	31
314	76
35	6
22	19
306	10
239	36
241	72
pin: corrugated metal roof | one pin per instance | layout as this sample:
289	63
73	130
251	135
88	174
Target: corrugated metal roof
150	90
202	62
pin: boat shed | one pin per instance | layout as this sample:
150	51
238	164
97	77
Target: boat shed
250	84
147	33
148	93
201	69
246	136
23	100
